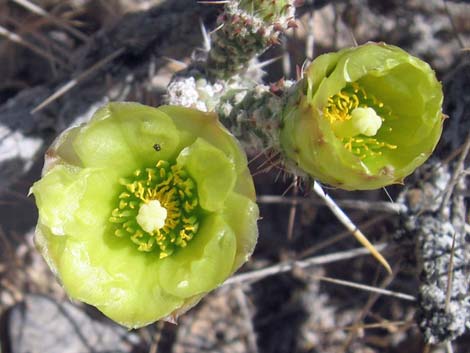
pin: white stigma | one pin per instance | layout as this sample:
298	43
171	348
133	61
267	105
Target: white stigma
366	121
152	216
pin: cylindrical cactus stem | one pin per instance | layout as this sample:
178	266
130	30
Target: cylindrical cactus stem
246	29
253	115
192	89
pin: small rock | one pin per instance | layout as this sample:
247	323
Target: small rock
40	325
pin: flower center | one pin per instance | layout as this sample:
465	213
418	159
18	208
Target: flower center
152	216
356	118
157	209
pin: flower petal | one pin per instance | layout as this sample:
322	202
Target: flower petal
117	279
101	143
192	123
150	133
123	135
213	172
245	185
58	188
204	263
242	214
68	196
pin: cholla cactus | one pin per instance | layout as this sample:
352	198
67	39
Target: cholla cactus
363	117
142	211
247	28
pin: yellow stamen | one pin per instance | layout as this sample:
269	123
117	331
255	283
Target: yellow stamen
356	118
158	209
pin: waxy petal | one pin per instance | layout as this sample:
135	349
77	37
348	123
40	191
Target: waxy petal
204	264
213	172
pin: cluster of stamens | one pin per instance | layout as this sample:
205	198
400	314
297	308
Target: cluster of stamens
340	109
171	188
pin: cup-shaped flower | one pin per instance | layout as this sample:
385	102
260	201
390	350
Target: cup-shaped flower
143	210
363	118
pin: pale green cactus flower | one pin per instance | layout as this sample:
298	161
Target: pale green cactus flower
364	117
142	211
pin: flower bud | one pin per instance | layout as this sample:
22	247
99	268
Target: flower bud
363	117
